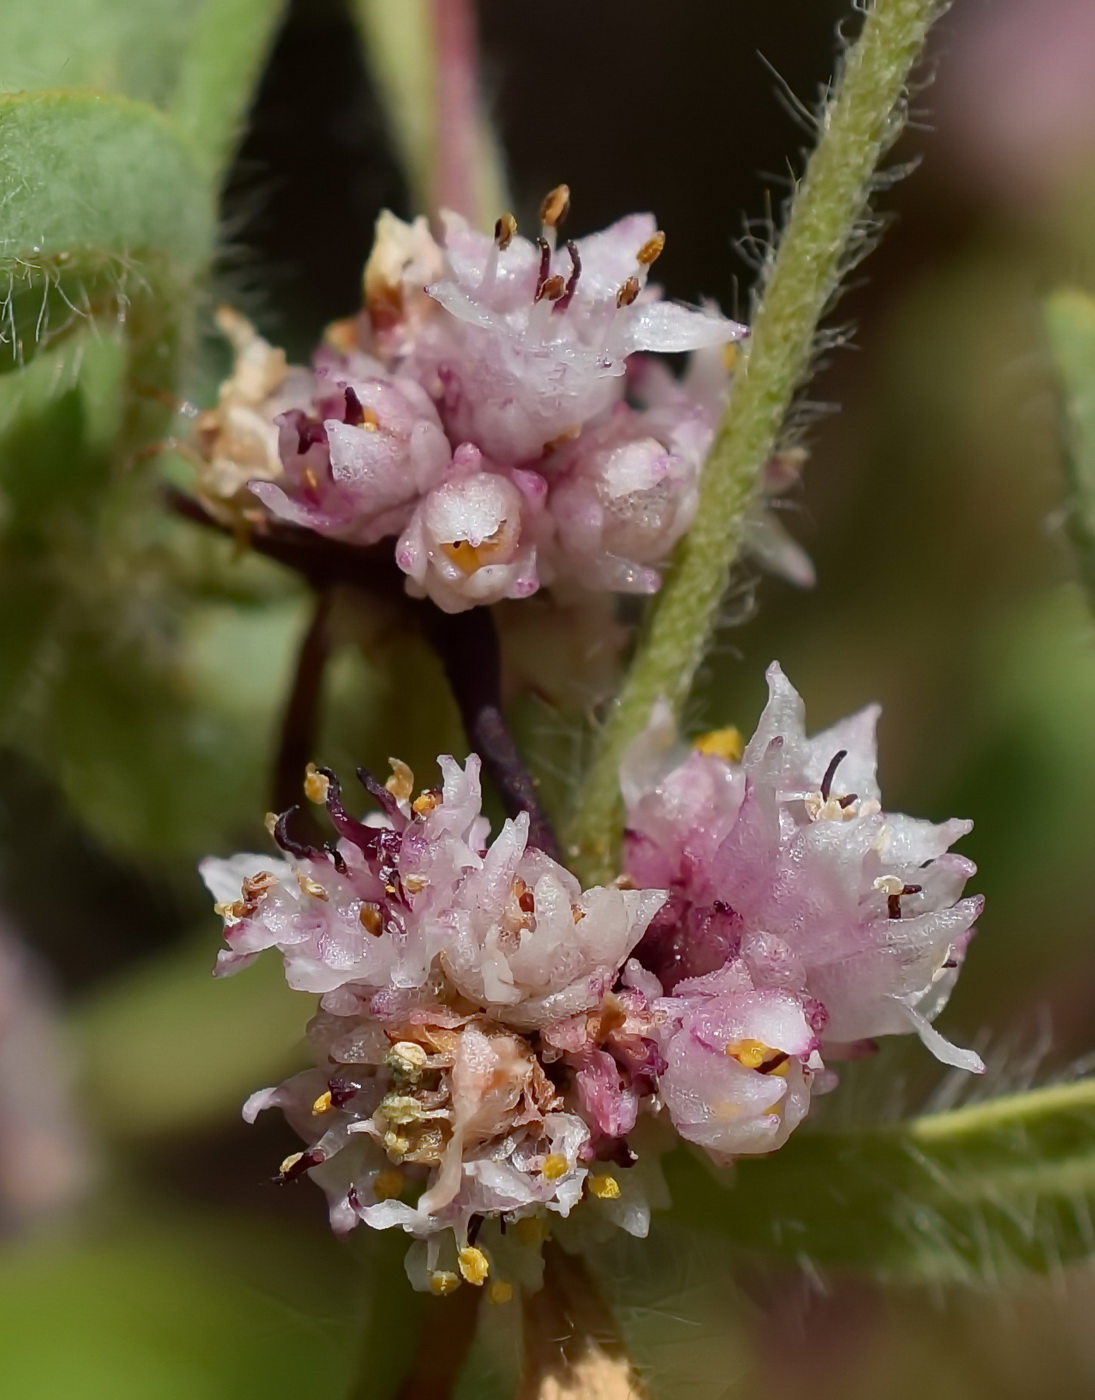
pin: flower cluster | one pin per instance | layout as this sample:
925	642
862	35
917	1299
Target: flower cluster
496	411
494	1043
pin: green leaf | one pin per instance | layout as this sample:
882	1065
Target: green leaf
168	1048
1070	324
198	59
192	1310
221	63
967	1195
107	219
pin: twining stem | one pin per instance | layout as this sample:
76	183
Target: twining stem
467	644
862	119
300	722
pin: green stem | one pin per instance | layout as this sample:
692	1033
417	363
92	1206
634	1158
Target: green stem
824	228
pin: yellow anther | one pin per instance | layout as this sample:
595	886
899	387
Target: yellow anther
369	421
651	250
531	1230
504	229
406	1057
556	206
311	887
316	785
468	557
628	291
721	743
311	479
396	1145
401	1108
401	783
604	1187
414	884
425	802
443	1281
323	1103
750	1053
270	821
289	1163
555	1166
387	1185
371	920
730	357
474	1265
500	1291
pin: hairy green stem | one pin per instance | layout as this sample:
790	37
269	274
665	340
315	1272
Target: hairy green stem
862	119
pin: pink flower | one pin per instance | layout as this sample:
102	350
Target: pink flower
536	339
473	538
356	464
439	959
684	413
740	1061
787	862
620	500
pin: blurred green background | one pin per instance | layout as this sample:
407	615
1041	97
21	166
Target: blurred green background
143	669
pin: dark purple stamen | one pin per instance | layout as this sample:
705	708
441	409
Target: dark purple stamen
340	1091
336	858
618	1153
388	803
951	963
774	1063
572	281
312	1158
827	781
475	1224
545	267
893	901
362	836
355	413
309	433
848	799
289	843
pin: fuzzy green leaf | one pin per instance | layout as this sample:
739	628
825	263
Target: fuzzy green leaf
966	1195
198	59
107	218
220	66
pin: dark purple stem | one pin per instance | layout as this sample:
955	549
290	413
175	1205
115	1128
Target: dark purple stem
466	642
300	724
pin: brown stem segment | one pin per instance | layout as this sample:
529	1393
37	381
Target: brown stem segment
573	1347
